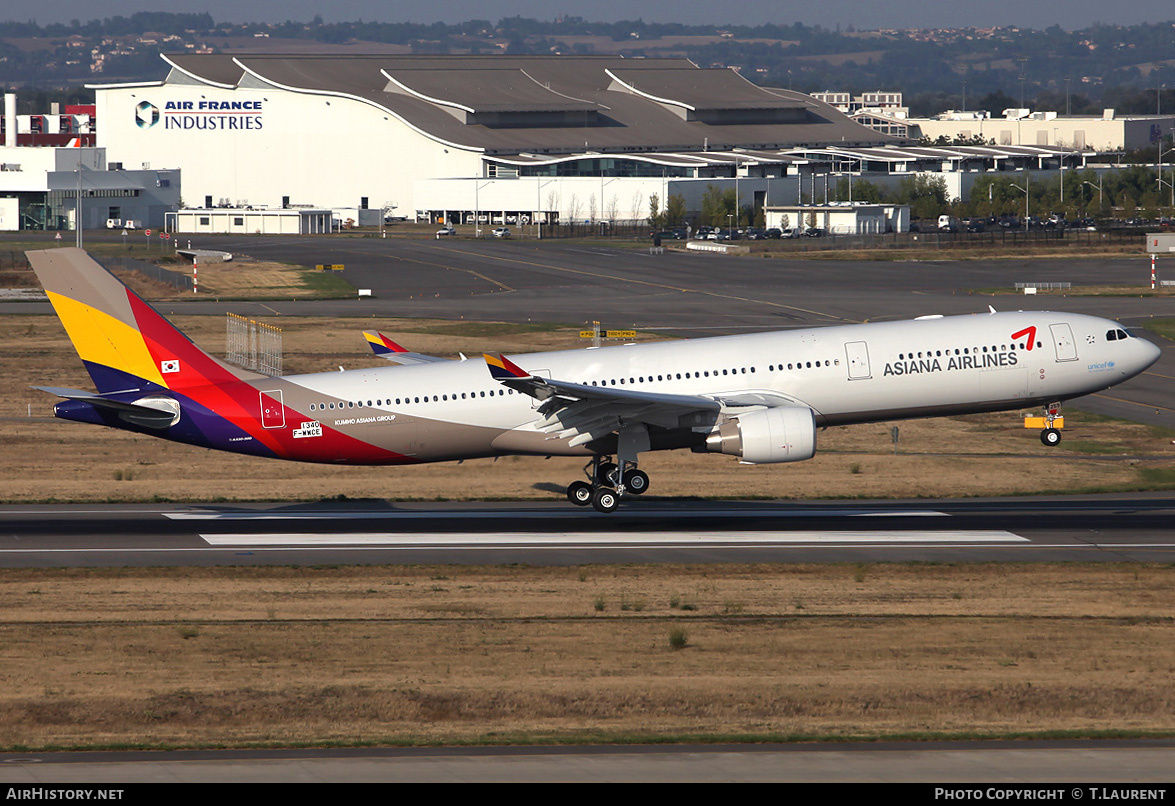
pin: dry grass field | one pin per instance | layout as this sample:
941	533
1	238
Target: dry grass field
403	655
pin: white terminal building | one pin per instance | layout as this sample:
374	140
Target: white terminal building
457	139
521	141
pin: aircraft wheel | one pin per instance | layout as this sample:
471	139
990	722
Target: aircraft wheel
579	493
605	500
606	473
1050	436
636	482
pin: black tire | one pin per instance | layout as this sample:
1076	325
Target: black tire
605	500
1050	437
636	482
606	473
579	493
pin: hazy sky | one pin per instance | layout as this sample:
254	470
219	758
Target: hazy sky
1068	14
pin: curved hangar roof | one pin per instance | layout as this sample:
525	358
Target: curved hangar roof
550	104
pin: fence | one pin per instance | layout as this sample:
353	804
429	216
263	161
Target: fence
10	259
173	278
959	240
253	345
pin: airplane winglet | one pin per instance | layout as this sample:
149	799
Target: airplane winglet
502	368
381	345
387	349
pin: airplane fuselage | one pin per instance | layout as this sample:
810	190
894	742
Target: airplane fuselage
844	374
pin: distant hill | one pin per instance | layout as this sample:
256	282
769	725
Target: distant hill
1083	71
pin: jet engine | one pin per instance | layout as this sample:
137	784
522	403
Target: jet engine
782	434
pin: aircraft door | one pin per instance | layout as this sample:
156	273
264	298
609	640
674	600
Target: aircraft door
1063	342
857	358
273	412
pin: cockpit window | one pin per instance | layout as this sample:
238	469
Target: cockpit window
1111	335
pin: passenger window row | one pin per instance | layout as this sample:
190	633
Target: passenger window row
404	401
1002	348
631	381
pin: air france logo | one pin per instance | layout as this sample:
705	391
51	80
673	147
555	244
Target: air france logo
146	115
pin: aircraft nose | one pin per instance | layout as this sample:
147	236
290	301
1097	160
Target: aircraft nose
1150	353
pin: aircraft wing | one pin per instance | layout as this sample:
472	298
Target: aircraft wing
584	413
387	349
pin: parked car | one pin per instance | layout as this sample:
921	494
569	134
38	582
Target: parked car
501	232
815	232
446	231
773	232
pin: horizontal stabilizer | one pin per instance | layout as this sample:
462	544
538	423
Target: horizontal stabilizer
151	412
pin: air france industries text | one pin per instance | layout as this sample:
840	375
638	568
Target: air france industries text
209	115
252	122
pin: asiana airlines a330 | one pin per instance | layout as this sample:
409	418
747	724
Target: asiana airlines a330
760	397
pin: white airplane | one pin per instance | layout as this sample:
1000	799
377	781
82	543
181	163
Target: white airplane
759	397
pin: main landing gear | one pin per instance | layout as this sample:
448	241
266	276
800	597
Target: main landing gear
609	483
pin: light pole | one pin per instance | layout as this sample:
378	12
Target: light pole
538	205
477	185
1162	181
738	209
1099	190
1025	192
77	213
1062	159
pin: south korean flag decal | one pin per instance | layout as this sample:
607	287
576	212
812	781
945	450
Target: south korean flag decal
169	366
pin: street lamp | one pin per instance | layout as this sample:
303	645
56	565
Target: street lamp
1162	181
1023	190
1099	190
477	186
538	205
77	214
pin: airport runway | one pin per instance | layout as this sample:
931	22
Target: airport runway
1007	765
1078	529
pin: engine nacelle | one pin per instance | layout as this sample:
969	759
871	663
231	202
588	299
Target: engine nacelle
782	434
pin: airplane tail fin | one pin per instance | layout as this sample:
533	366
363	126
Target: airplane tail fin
124	343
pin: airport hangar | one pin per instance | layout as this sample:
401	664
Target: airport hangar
452	139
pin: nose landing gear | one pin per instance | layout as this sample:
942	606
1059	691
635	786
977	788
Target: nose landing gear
1050	424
